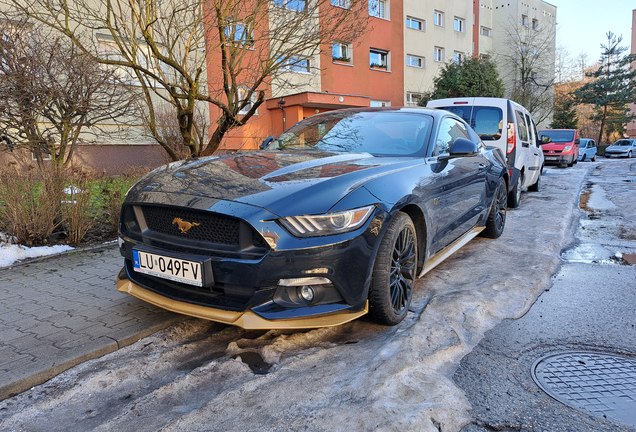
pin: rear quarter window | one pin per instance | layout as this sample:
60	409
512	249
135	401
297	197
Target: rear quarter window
486	121
521	126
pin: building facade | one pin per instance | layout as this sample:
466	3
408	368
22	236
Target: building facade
631	127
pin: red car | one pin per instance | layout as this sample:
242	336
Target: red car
560	146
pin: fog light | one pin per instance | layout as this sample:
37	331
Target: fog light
306	293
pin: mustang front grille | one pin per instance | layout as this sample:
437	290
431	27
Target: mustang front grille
201	226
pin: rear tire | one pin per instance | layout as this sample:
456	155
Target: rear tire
583	158
514	196
394	270
497	217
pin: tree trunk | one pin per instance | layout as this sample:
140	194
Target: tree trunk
600	134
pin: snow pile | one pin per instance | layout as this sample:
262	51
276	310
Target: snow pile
10	253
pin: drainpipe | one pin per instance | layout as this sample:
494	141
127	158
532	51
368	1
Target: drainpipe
281	102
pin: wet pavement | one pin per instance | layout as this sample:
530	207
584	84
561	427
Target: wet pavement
56	313
587	312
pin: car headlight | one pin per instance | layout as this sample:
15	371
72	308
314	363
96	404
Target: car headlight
567	148
328	223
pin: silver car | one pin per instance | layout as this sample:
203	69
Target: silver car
623	147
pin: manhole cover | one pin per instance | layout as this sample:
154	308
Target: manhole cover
601	384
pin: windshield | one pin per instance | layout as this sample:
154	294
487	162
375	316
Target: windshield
486	121
559	135
376	132
623	143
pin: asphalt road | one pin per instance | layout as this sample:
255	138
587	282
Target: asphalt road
589	307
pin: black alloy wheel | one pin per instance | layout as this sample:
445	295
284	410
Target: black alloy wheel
394	272
497	217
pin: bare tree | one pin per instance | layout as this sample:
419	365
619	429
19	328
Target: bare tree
528	66
228	53
52	96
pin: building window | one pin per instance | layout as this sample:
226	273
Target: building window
459	25
341	52
242	94
438	18
414	23
377	103
46	155
535	24
295	64
239	33
295	5
485	31
458	57
524	20
439	54
341	3
378	8
413	98
379	59
415	61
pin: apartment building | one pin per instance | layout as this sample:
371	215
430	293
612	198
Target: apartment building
436	32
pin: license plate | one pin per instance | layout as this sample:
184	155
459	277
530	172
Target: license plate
175	269
551	158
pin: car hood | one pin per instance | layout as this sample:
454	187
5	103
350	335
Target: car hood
283	182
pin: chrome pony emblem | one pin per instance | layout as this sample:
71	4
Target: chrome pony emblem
184	226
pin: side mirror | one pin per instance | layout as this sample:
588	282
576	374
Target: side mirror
266	142
577	141
545	139
463	147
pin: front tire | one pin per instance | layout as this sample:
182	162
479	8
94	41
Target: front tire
394	270
593	158
497	217
514	196
629	155
536	186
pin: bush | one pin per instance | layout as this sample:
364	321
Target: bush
30	199
78	210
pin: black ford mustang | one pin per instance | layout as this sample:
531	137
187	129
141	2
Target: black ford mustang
333	219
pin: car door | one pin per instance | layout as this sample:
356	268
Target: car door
455	191
523	144
535	155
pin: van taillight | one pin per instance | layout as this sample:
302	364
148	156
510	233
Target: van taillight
511	138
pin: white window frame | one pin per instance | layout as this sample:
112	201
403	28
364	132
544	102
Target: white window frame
438	18
345	4
379	8
339	58
379	103
383	54
524	20
535	24
411	101
290	64
422	23
458	57
253	100
459	24
232	30
485	31
45	156
438	54
420	62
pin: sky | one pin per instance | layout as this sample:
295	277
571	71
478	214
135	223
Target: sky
583	24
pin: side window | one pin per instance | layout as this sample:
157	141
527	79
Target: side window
449	130
592	143
532	131
521	126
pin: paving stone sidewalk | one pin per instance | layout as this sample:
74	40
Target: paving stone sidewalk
58	312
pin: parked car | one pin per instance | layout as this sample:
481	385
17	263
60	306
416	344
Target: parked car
334	218
587	150
561	146
623	147
517	140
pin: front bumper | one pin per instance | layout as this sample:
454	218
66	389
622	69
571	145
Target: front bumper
247	319
558	159
616	154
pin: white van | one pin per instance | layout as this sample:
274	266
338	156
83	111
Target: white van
518	140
